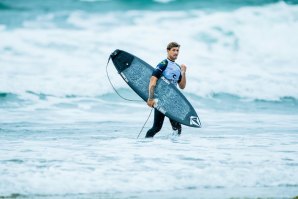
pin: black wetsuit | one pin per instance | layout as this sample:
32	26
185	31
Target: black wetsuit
172	72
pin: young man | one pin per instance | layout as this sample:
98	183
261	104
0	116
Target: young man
175	74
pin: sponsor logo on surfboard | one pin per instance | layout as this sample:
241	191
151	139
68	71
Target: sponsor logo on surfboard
162	110
165	80
195	121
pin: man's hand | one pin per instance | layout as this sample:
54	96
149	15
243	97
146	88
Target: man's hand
150	102
183	68
182	83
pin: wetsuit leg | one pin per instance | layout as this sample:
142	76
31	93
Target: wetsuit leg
157	124
176	126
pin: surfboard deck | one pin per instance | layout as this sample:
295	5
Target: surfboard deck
170	101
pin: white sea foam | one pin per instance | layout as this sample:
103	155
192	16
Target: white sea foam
250	52
51	160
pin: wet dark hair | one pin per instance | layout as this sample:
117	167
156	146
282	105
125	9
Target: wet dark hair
173	45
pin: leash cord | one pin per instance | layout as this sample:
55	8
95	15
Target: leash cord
131	100
145	123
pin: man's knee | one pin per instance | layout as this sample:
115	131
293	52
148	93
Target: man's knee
152	131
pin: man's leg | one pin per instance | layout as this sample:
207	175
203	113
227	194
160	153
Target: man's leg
157	124
176	126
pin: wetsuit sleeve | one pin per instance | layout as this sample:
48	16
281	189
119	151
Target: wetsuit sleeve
160	68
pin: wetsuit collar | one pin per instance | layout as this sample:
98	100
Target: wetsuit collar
170	59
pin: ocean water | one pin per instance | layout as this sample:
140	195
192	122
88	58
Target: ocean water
64	133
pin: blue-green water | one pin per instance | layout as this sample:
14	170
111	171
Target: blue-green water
64	133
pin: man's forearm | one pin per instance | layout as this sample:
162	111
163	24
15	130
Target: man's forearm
182	83
152	85
151	91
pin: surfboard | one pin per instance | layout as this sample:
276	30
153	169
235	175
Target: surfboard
169	100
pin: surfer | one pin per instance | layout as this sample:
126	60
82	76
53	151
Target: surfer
176	75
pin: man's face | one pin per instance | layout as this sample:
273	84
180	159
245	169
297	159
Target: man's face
173	53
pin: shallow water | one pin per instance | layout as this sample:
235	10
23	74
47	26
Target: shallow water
234	155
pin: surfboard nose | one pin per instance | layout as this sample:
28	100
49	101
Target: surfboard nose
121	59
115	53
